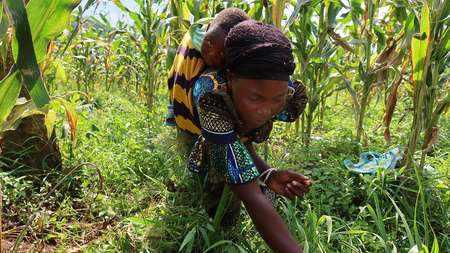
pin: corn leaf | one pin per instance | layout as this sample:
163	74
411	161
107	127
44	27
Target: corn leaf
60	73
194	7
185	13
21	110
133	15
26	59
47	19
420	45
50	119
443	47
255	11
9	91
4	24
294	14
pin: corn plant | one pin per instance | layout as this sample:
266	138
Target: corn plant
152	24
21	120
429	57
368	57
314	51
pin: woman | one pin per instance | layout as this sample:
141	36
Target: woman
237	107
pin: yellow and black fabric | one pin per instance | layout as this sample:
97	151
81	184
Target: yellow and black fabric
187	66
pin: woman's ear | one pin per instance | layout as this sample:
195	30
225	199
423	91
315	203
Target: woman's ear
231	79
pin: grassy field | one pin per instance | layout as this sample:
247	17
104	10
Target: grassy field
95	92
129	190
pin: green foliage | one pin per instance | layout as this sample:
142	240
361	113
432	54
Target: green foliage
128	189
49	19
9	91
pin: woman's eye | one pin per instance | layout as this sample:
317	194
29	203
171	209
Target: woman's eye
254	98
278	100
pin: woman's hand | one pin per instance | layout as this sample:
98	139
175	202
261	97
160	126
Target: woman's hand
288	183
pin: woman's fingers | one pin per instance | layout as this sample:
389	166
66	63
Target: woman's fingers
296	188
299	177
289	194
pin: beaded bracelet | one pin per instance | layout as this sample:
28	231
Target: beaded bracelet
266	174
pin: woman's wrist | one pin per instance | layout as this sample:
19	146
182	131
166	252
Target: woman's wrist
266	175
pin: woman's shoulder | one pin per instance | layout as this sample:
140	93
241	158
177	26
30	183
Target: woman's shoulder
217	120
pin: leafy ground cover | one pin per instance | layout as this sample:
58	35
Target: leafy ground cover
127	189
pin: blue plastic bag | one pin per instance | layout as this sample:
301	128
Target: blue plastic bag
370	162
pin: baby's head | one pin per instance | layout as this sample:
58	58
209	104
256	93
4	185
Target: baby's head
213	44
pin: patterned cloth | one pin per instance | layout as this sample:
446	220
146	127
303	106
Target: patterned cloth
220	146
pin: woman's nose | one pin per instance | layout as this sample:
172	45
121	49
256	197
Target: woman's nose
264	112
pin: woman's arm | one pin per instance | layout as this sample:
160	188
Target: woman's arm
266	219
260	164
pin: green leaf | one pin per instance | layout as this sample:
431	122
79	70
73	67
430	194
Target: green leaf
26	60
255	11
185	13
435	247
197	32
217	244
137	220
420	45
294	14
50	119
133	15
333	10
444	45
60	73
21	110
4	24
106	22
329	222
47	20
9	91
194	8
204	235
189	239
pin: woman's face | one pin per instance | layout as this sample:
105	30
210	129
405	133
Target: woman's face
257	101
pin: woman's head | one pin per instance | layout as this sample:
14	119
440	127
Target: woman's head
260	61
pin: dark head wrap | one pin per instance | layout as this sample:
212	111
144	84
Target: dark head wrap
254	50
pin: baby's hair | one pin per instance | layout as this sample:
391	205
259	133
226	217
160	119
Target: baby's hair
228	18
